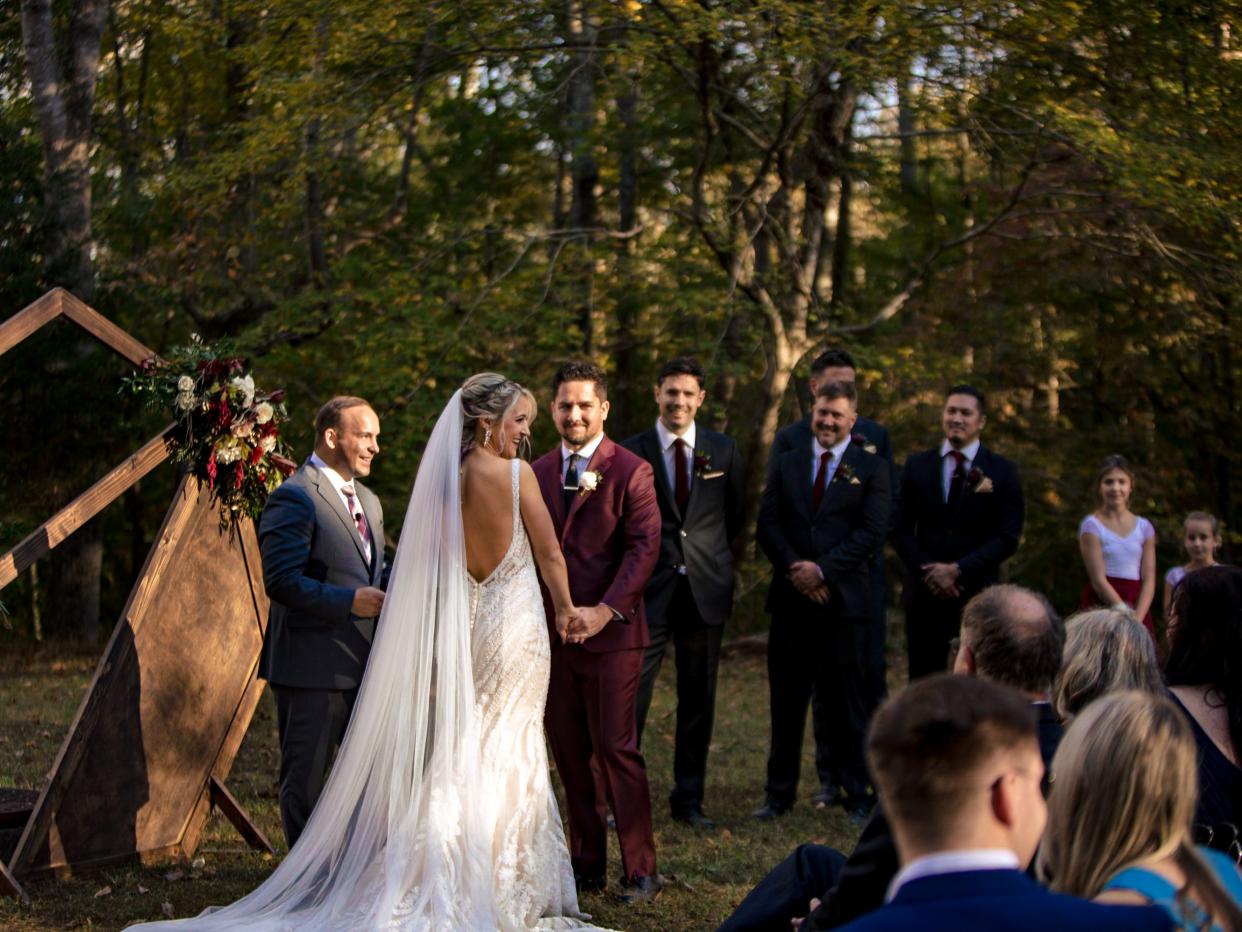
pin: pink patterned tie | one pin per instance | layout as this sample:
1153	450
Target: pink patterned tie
359	518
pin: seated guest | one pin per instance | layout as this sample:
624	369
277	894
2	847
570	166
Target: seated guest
1105	652
957	766
1119	816
1205	655
1009	635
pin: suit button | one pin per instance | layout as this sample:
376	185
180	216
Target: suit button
682	532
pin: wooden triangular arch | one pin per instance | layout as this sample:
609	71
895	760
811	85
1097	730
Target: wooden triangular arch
155	737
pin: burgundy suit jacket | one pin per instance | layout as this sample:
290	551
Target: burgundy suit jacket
610	538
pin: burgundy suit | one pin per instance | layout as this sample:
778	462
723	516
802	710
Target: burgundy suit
611	539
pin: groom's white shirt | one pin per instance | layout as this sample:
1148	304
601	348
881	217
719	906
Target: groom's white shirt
586	453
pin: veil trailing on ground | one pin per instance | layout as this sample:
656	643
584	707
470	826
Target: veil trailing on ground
397	834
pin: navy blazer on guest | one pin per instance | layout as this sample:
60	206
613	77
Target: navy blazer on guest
840	537
1000	899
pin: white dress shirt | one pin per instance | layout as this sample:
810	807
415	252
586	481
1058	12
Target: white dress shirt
585	453
953	862
948	464
338	482
667	440
837	451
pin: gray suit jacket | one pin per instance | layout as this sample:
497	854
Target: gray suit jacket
313	561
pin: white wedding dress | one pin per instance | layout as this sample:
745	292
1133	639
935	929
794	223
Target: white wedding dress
438	814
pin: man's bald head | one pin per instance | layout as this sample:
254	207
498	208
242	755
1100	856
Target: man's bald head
1014	636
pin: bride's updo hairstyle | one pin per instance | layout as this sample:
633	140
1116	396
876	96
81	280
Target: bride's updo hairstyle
489	396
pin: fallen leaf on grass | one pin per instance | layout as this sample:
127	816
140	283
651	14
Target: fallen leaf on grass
103	891
198	863
142	889
725	835
166	909
173	876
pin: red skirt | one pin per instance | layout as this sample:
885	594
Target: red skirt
1128	589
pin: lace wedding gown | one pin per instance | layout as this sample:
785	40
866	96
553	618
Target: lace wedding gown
438	814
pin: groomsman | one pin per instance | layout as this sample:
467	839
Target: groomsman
959	517
824	512
700	486
321	537
837	365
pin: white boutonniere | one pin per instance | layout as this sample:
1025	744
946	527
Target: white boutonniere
588	481
981	484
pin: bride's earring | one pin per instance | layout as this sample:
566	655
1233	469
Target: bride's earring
487	436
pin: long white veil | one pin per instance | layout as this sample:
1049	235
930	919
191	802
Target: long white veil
397	833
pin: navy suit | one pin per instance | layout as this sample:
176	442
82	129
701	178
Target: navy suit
821	647
690	596
315	650
978	534
1000	899
875	434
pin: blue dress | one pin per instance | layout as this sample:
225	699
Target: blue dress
1187	915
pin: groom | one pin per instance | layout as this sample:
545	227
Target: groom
603	504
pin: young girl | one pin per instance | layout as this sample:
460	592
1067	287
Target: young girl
1202	540
1118	547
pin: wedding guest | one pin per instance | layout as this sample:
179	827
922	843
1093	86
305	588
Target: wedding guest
1105	652
1119	816
1118	547
700	486
837	365
1200	540
1205	655
960	513
958	768
824	512
321	537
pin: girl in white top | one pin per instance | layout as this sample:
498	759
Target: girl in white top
1118	547
1201	541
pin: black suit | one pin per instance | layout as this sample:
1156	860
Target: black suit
690	595
850	888
876	435
315	650
821	647
979	534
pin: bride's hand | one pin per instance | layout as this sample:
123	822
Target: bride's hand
565	619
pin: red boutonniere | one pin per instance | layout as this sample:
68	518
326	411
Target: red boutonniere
860	440
703	466
845	473
980	483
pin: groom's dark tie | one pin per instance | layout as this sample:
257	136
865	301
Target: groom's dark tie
571	481
958	479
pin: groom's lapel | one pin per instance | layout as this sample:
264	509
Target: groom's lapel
333	499
598	463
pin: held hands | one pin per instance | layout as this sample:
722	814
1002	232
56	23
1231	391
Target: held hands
797	921
806	579
576	624
367	602
941	579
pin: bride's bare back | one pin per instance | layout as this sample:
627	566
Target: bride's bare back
486	511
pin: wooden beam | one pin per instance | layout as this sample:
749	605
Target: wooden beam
232	810
104	330
10	887
84	507
29	319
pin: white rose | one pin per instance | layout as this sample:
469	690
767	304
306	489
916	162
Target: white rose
228	450
268	444
185	384
588	481
185	401
245	385
264	412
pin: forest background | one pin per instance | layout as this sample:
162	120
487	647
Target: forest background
1039	197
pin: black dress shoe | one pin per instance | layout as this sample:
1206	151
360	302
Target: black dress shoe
695	819
769	811
590	883
826	796
641	890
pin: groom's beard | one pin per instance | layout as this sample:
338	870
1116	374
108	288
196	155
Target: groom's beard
579	436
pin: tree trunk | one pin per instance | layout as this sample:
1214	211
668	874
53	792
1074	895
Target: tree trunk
584	170
63	89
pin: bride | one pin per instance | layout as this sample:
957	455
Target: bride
439	813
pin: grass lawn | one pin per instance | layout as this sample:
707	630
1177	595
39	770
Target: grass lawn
708	874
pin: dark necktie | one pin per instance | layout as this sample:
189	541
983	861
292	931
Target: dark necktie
681	485
360	519
571	480
821	479
958	479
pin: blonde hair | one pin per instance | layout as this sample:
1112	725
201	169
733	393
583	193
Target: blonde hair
1106	651
1123	791
490	396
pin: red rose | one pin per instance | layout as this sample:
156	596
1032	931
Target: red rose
239	474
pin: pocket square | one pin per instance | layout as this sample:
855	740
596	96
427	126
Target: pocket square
714	474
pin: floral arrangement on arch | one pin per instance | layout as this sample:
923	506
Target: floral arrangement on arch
229	432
